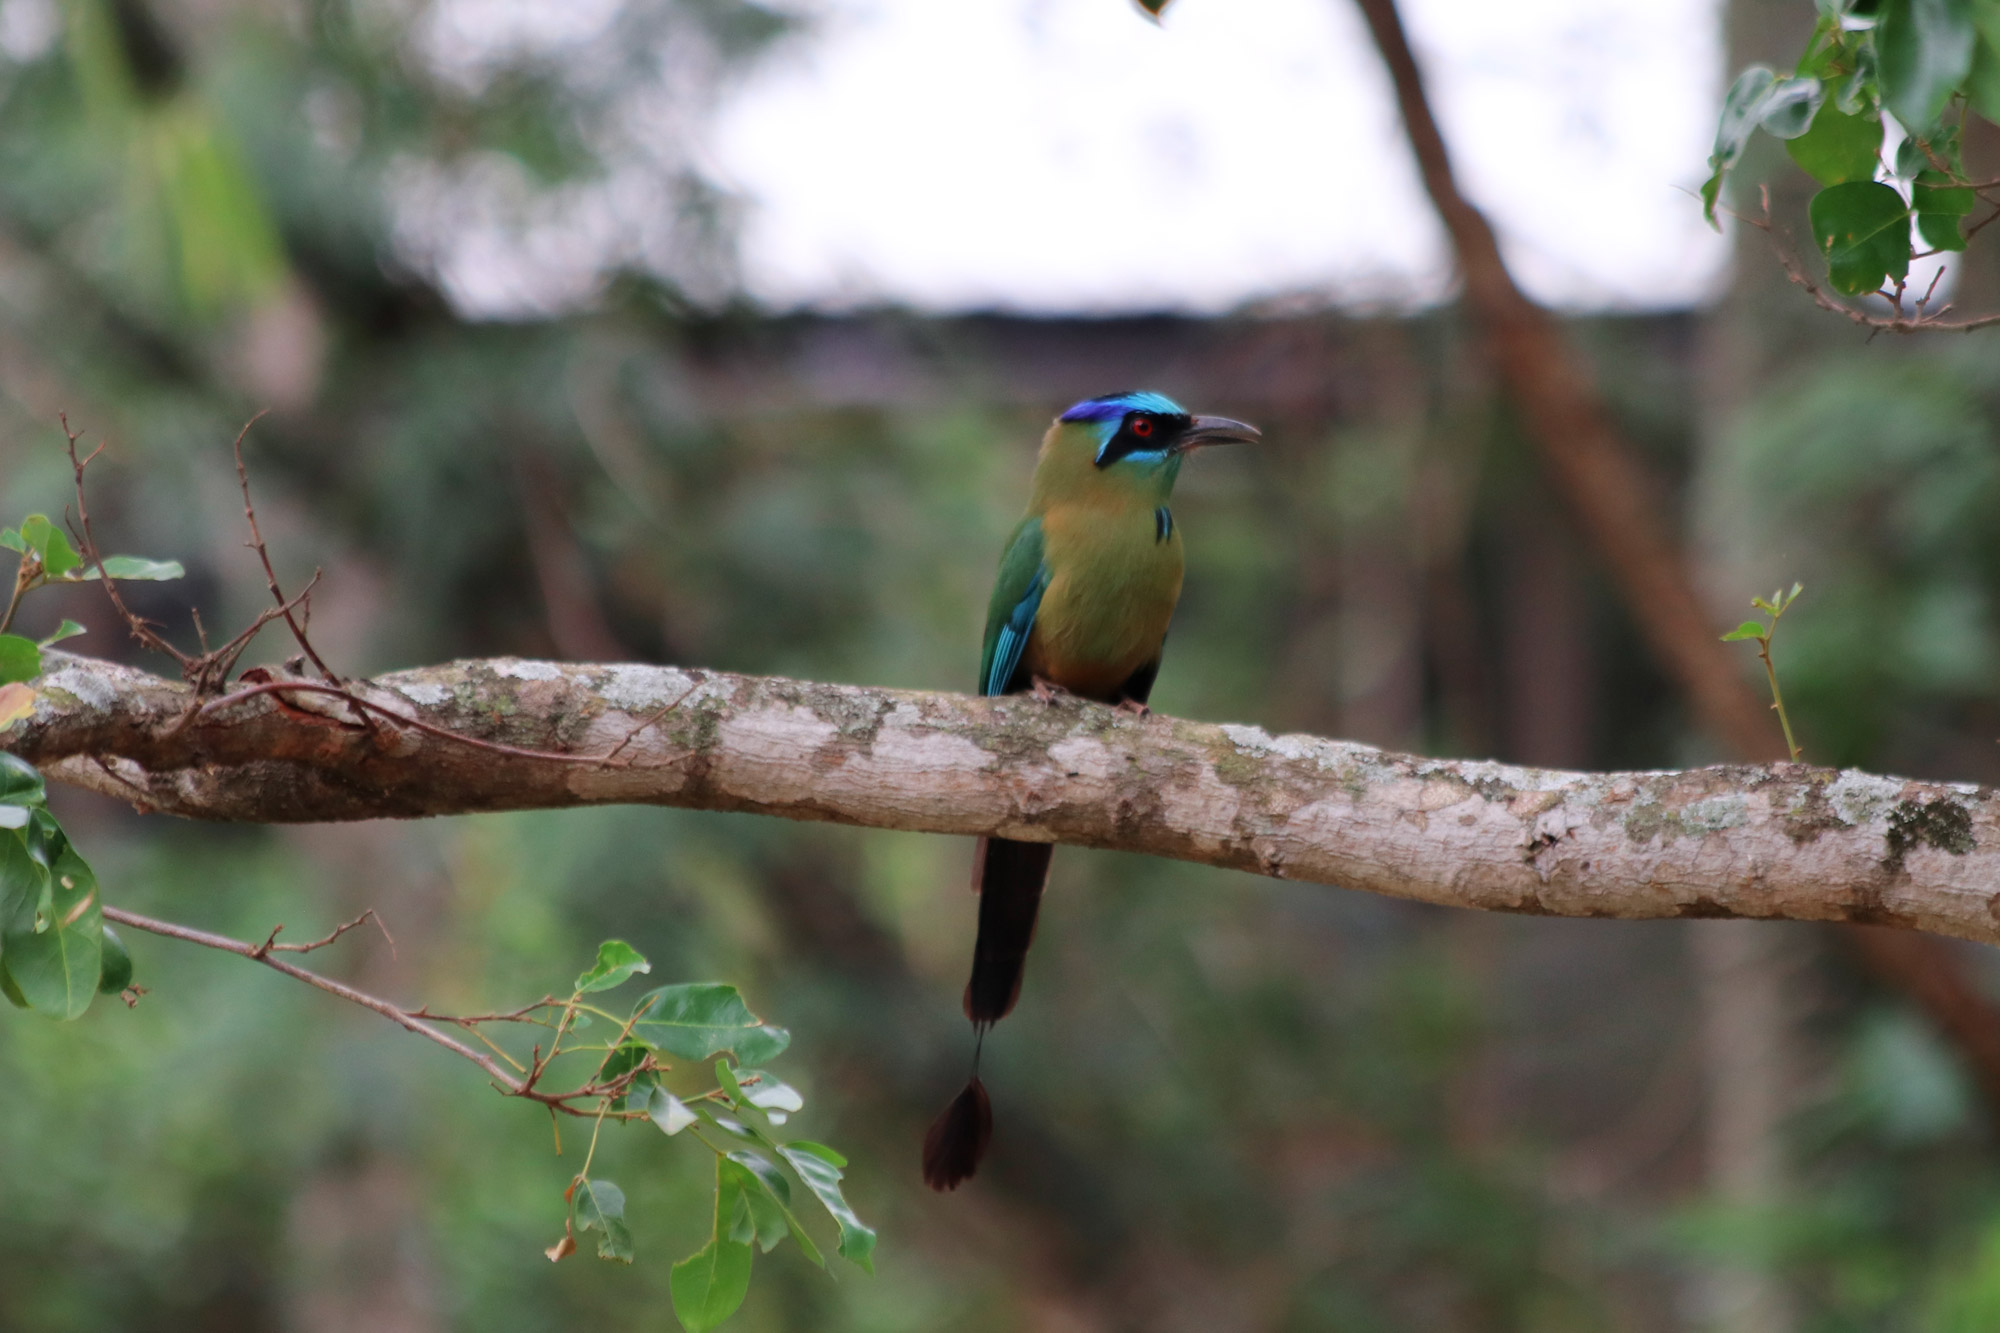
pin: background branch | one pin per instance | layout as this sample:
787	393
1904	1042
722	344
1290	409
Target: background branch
1602	482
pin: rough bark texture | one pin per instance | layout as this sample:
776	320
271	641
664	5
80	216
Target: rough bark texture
1784	840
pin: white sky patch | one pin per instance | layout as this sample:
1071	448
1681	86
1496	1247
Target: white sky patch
28	28
1065	155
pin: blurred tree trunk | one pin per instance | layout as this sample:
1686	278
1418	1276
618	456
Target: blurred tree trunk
1545	645
1379	627
1745	969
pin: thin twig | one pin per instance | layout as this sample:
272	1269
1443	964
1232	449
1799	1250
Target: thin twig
1922	322
271	945
93	558
256	543
225	657
23	577
633	734
405	1019
188	934
522	1015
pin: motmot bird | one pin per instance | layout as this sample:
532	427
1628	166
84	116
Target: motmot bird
1086	590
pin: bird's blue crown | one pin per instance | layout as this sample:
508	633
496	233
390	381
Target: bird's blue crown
1114	406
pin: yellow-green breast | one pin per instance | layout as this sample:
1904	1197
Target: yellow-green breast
1115	571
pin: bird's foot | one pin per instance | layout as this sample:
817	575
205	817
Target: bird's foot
1049	692
1132	708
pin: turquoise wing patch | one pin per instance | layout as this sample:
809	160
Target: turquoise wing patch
1010	617
1012	640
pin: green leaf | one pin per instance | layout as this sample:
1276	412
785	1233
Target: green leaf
1863	230
35	532
11	539
769	1178
1749	629
55	953
9	989
774	1097
46	841
1982	85
710	1284
629	1056
1986	20
117	971
699	1020
736	1129
60	557
138	567
1823	48
616	962
820	1168
1789	107
1859	92
669	1112
22	879
732	1210
599	1205
1839	147
20	659
69	629
764	1194
1741	111
20	784
1925	49
1940	208
1910	159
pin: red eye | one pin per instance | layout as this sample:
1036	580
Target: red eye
1142	428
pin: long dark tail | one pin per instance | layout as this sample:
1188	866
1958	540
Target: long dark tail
1009	877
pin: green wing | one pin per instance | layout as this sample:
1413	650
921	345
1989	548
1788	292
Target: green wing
1017	595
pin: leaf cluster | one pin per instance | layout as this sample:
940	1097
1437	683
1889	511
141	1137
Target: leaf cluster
643	1073
56	953
1875	71
48	557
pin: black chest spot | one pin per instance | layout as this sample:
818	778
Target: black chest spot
1163	524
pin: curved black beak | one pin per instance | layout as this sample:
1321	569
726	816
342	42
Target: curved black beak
1204	431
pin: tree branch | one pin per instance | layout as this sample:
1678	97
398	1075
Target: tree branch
1783	840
